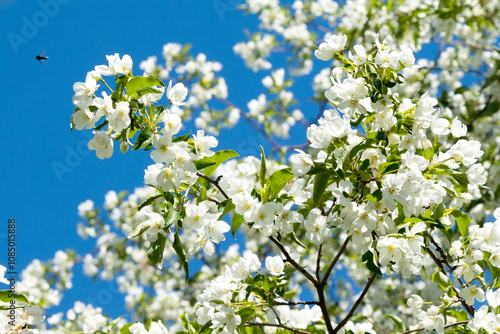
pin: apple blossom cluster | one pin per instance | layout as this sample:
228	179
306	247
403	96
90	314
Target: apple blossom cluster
278	114
389	188
223	301
381	187
205	85
24	318
467	51
43	282
124	109
83	318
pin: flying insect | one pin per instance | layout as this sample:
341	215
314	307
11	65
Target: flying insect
40	57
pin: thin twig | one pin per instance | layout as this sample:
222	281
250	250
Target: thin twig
383	330
335	260
468	308
443	256
356	304
214	182
248	324
184	198
318	262
469	44
213	200
296	303
447	326
297	266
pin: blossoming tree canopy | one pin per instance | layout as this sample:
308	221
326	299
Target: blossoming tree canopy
385	220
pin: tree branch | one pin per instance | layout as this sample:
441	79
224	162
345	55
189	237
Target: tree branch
356	304
324	310
383	330
297	266
469	44
335	260
249	324
447	326
318	262
296	303
214	182
468	308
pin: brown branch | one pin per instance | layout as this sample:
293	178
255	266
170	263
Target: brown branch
443	256
213	200
324	310
184	198
469	44
447	326
214	182
297	266
249	324
469	309
335	260
318	262
356	304
383	330
468	70
296	303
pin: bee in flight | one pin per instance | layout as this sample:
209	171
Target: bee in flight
40	57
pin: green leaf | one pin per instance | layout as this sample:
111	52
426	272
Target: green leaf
438	211
7	295
461	178
125	329
236	223
320	184
155	251
148	201
463	221
369	260
263	168
140	229
228	207
359	147
219	157
179	249
378	84
181	138
246	313
203	163
401	215
400	325
171	216
388	167
143	139
440	278
364	165
278	180
297	241
319	167
139	82
145	91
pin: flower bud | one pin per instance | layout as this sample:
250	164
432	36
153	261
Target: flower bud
124	146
